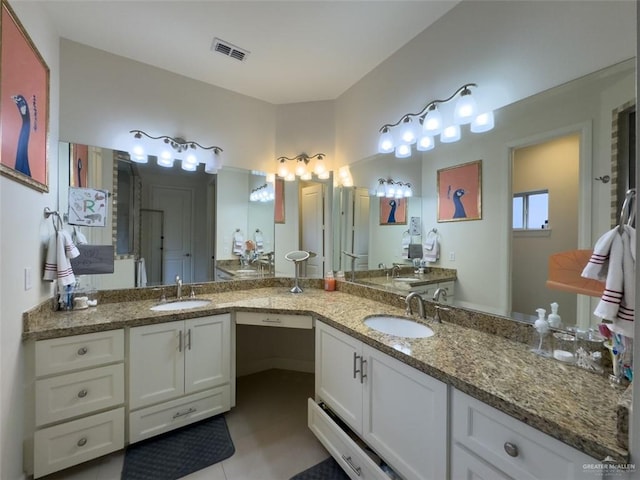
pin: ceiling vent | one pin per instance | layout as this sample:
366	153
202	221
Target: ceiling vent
229	50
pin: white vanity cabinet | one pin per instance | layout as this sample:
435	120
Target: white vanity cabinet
399	412
179	373
487	443
427	291
78	399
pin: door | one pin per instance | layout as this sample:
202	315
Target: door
414	442
338	381
151	239
156	363
207	352
177	205
312	228
360	232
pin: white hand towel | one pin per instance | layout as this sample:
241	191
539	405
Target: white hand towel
57	266
141	276
79	237
259	241
406	241
238	243
599	261
613	261
431	248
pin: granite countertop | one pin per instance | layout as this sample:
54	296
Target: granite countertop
570	404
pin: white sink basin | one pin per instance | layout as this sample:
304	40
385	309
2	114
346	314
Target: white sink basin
398	326
180	305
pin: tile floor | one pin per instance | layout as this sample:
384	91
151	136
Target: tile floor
268	427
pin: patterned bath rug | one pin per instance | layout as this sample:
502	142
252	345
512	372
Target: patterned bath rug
178	453
326	470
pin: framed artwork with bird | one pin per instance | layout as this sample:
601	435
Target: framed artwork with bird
24	105
460	192
393	211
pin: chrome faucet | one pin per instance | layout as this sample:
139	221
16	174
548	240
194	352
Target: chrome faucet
395	270
407	302
179	284
439	295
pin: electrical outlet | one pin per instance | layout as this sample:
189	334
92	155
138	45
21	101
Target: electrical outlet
28	281
452	256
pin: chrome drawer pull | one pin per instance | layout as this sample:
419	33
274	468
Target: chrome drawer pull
182	414
82	393
511	449
355	369
82	350
351	465
180	341
271	320
363	366
82	442
189	338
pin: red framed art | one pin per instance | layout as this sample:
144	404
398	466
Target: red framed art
460	192
24	105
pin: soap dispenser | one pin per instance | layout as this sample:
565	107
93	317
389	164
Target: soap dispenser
554	319
541	343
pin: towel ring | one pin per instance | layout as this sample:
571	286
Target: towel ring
628	211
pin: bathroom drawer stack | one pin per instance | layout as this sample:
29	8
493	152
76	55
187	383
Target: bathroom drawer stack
78	410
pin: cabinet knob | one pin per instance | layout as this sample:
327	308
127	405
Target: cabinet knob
511	449
82	442
82	350
82	393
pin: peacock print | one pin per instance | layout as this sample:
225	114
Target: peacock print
457	203
392	212
22	153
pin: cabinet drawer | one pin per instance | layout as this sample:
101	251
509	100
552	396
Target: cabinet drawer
512	446
64	354
167	416
353	460
70	443
79	393
274	320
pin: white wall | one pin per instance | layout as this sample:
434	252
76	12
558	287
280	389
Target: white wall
23	234
510	49
103	96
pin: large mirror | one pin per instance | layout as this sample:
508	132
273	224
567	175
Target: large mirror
167	222
573	142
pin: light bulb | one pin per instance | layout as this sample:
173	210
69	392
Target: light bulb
271	177
408	133
432	123
189	167
385	144
138	155
403	151
301	168
290	177
306	176
483	122
283	170
450	134
425	143
466	109
324	175
191	158
380	191
165	159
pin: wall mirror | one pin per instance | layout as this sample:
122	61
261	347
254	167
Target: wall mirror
496	263
165	222
362	230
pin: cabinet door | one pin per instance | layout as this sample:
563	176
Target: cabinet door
405	417
156	363
337	381
207	352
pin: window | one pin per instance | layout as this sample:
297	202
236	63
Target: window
531	210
